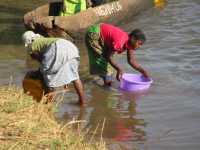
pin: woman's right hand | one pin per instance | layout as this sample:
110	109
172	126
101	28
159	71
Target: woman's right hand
146	74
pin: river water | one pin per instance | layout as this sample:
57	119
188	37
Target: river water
165	118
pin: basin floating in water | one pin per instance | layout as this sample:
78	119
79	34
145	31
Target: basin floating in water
134	82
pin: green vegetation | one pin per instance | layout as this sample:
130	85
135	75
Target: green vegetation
26	125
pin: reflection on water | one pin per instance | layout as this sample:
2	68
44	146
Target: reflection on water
119	114
11	27
116	114
167	117
11	19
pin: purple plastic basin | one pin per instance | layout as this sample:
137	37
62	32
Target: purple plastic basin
134	82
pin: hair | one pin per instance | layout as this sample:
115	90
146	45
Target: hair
137	34
36	56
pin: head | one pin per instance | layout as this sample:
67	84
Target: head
136	39
28	37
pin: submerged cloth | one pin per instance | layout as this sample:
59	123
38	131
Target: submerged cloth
73	7
115	38
60	63
96	49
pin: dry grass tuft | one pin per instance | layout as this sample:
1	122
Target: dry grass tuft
26	124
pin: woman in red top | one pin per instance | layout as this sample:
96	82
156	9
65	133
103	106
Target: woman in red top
103	41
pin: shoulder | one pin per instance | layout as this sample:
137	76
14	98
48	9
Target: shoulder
66	43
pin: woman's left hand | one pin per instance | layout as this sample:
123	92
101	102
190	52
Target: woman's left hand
119	74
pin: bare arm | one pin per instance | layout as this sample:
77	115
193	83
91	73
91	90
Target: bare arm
132	61
79	90
109	58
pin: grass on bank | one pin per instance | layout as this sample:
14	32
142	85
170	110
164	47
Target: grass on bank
26	124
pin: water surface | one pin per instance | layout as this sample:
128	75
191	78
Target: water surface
167	117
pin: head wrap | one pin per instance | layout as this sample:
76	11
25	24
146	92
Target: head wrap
28	37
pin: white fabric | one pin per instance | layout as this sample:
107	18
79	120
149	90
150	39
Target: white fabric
28	37
68	49
60	63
